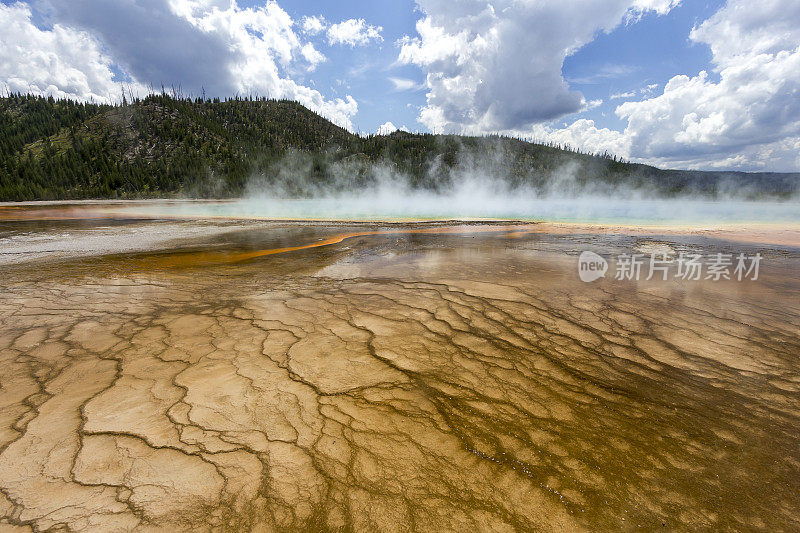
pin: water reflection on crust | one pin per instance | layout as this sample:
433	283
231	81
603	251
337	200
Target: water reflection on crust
416	380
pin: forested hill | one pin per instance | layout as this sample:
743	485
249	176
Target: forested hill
166	146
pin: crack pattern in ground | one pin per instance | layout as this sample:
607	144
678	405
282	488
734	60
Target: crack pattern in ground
473	399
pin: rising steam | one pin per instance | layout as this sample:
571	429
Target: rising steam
481	186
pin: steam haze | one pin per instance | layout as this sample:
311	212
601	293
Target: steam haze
483	186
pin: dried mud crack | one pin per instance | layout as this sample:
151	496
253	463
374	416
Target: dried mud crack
485	391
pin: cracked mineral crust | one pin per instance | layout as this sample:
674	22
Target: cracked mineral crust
428	381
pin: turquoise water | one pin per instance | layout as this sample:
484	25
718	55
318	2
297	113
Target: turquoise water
589	210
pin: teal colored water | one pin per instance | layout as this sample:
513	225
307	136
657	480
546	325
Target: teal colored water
589	210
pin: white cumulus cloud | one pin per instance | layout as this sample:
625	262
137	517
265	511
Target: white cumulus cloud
313	25
749	108
387	127
61	62
198	45
662	7
584	134
591	104
497	66
742	114
354	32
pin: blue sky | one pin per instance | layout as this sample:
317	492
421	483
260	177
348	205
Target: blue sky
626	59
706	84
634	56
364	72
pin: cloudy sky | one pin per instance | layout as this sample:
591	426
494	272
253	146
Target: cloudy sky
677	83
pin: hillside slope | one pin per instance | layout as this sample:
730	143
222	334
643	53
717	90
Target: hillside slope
165	146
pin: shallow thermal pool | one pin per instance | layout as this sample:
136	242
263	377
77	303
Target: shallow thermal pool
601	210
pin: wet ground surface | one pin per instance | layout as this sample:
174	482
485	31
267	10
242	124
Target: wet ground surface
397	378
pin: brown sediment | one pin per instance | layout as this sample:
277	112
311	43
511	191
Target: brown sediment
751	233
208	258
431	383
17	213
